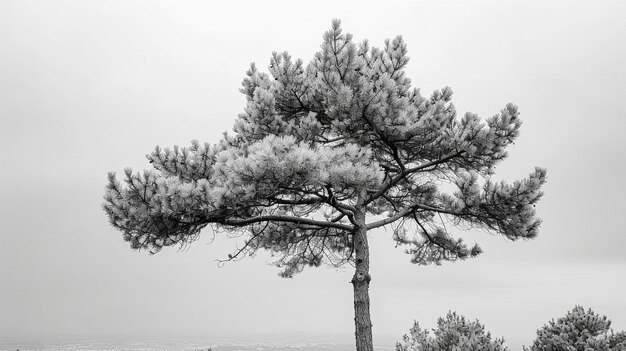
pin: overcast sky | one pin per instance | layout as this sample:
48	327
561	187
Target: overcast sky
89	87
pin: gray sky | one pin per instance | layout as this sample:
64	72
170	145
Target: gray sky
90	87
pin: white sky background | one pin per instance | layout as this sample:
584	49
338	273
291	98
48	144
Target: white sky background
90	87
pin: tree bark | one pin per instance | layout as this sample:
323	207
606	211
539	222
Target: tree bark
360	284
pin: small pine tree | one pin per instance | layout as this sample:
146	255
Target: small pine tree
454	333
579	330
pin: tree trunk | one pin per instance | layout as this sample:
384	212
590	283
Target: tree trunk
360	283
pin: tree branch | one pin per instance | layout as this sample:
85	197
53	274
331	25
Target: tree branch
391	219
246	245
283	218
341	207
394	180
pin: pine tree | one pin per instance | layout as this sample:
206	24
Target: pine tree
453	333
579	330
325	153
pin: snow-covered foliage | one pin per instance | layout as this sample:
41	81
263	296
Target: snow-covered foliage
579	330
453	333
319	142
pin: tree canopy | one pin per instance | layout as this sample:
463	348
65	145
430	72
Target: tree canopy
316	139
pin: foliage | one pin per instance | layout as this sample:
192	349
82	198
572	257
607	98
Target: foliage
320	146
579	330
453	333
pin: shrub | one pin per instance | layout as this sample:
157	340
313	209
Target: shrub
453	333
579	330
